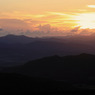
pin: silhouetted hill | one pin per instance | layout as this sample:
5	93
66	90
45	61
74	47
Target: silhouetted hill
77	69
74	74
19	84
11	83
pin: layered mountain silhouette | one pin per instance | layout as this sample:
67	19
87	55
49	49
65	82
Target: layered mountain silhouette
65	70
16	50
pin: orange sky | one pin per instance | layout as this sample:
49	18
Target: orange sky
47	15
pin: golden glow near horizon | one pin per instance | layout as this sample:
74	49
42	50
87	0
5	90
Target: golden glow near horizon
47	15
86	20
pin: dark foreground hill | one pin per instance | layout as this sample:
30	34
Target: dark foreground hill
51	75
79	67
16	84
78	70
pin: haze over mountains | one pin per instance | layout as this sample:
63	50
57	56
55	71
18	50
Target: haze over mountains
16	50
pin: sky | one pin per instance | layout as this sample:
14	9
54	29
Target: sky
47	17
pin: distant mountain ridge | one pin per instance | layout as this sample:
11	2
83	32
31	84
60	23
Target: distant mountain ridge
16	50
15	39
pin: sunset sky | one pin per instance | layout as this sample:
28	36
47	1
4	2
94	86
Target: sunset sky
47	17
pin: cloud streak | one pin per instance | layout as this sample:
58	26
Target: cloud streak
91	6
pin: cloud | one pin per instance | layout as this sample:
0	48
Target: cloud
57	13
75	29
13	24
34	22
49	24
91	6
45	28
18	19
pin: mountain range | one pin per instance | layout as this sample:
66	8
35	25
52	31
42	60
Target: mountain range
17	50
